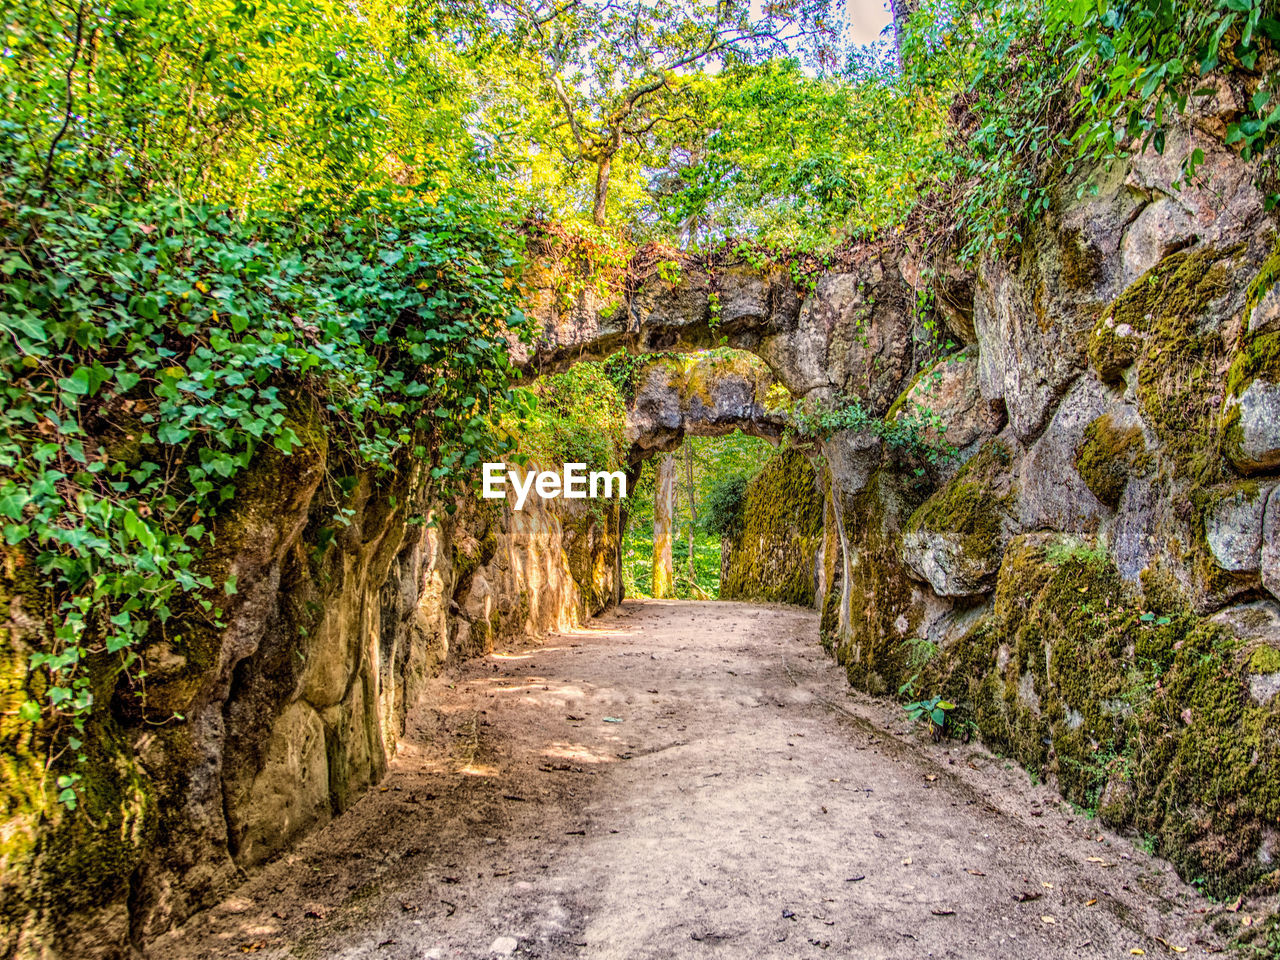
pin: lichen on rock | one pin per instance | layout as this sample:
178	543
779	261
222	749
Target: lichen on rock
774	556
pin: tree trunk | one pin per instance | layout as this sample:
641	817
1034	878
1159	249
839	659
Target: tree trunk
693	508
602	188
664	508
902	11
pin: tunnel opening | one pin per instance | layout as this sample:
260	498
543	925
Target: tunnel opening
699	432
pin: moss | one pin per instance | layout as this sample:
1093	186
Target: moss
592	538
885	609
1264	660
773	559
1082	261
698	376
56	863
1214	583
1268	276
1163	305
1177	382
1260	357
471	553
1108	456
972	505
1134	706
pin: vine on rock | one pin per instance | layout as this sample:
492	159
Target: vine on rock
153	348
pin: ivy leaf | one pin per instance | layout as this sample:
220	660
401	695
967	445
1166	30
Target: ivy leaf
29	711
78	384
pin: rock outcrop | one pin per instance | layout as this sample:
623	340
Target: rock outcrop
774	556
708	397
265	722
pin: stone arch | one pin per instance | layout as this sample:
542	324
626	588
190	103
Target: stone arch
708	397
853	332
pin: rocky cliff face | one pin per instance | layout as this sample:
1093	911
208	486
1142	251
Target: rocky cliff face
1093	575
266	721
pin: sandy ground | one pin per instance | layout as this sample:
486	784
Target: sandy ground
695	780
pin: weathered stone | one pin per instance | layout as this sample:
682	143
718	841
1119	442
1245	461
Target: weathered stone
709	397
1052	494
1111	452
1025	361
948	563
1256	627
956	539
949	284
1233	528
948	394
1269	555
852	457
1222	204
853	337
1161	228
290	794
1254	439
774	555
1265	314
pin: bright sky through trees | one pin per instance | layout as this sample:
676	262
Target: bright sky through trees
867	18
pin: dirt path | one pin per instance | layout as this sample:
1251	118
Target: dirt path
745	805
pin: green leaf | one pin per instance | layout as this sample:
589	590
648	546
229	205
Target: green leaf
78	384
29	711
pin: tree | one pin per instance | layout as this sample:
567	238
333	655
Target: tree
796	157
615	70
664	508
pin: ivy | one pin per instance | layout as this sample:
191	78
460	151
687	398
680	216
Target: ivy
153	349
915	429
1041	86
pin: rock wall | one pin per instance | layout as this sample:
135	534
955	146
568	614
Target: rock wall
262	723
1094	575
1086	578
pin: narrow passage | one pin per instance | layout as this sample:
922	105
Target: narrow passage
689	780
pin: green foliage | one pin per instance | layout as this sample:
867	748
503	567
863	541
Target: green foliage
1069	549
934	710
722	507
911	428
800	160
269	102
155	348
578	416
1042	84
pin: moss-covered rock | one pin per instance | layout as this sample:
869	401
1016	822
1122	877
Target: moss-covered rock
884	607
774	557
1136	709
1109	455
1251	416
956	538
1177	381
1265	659
1262	302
